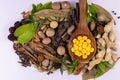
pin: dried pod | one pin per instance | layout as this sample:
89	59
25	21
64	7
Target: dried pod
92	25
66	5
53	24
45	62
78	69
41	34
56	5
46	41
50	32
100	29
61	50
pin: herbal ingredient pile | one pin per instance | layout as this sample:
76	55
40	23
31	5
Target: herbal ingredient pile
41	39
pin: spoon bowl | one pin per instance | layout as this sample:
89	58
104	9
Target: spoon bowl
82	30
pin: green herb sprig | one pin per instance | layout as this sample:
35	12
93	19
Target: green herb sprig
101	68
70	66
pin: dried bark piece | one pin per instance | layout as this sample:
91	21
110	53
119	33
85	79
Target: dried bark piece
78	69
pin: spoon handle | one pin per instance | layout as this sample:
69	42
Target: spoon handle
82	7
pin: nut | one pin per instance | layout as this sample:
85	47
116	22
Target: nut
46	41
53	24
61	50
50	32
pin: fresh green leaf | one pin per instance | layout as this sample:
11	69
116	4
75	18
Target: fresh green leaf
91	13
107	64
25	37
101	67
89	19
72	67
38	7
61	70
47	5
25	32
98	73
92	9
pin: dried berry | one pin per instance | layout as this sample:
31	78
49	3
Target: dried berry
11	37
11	29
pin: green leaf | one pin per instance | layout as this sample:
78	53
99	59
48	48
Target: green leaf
25	32
101	67
107	64
38	7
89	19
26	37
47	5
92	9
72	67
98	73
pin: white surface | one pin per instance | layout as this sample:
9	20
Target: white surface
10	11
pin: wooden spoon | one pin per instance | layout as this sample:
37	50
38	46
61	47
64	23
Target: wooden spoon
82	29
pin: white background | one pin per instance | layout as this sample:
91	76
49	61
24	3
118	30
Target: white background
10	11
